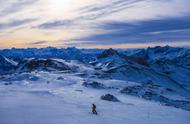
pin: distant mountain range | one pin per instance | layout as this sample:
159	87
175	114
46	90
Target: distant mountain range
70	53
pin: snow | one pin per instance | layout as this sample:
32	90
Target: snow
68	102
11	61
54	96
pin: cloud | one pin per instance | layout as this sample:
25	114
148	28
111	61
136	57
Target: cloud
95	21
55	24
132	10
15	23
13	6
91	12
38	42
106	8
168	30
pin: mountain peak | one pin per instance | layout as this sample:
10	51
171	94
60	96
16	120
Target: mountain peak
107	53
161	48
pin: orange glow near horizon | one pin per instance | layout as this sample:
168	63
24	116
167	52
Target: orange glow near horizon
21	44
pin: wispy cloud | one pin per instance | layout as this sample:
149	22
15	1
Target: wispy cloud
13	6
55	24
102	22
38	42
91	12
171	29
104	9
14	23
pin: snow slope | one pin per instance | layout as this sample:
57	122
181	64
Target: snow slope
69	102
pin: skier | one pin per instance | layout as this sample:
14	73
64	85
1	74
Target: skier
94	109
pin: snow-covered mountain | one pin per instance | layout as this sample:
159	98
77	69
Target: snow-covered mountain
161	74
180	56
146	69
70	53
6	65
30	65
166	66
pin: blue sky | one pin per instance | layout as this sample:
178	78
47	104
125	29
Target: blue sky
94	23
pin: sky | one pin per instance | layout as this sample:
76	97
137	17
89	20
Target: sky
94	23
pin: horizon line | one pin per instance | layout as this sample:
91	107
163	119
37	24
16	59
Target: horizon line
184	44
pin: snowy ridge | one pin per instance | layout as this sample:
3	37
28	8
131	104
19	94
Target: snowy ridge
7	66
70	53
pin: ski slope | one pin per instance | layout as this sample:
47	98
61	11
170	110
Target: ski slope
53	100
